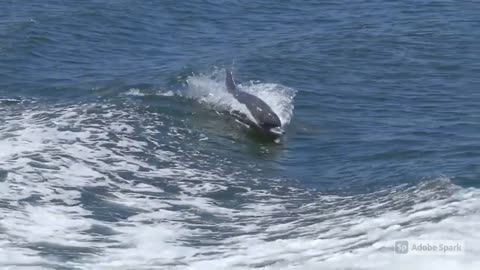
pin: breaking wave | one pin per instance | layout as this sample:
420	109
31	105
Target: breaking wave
96	186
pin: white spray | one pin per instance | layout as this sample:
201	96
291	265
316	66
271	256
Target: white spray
210	89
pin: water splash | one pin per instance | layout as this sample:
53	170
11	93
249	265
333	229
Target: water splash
210	89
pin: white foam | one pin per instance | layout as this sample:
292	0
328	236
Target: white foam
134	92
166	215
139	93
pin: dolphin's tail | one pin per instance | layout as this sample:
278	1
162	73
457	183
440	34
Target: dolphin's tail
231	88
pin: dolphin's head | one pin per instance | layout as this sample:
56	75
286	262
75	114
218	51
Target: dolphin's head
273	128
278	131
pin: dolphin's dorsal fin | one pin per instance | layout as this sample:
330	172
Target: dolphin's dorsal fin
229	81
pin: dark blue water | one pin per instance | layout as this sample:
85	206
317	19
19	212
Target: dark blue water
117	150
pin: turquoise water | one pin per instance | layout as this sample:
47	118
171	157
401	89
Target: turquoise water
117	150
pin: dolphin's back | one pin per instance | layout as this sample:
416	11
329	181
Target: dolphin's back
260	110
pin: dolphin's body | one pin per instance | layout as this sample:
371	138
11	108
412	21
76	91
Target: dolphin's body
264	116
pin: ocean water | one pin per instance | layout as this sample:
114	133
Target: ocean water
117	150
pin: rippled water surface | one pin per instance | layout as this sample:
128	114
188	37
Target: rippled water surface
117	149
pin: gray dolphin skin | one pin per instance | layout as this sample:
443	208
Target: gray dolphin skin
263	114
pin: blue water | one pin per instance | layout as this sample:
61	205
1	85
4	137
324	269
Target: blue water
117	150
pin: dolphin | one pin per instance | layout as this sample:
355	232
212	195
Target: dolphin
264	116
